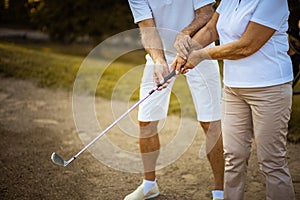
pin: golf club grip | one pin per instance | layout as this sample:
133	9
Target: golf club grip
173	73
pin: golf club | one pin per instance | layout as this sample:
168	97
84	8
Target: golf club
57	159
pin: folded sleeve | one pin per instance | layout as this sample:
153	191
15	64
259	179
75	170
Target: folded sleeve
271	13
220	8
140	10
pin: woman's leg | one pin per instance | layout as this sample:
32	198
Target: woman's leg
271	107
237	138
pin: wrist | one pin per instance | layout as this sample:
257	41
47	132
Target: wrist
186	33
159	61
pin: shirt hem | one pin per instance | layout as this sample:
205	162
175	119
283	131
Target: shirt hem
256	85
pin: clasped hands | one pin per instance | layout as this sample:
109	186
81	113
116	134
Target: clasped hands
189	54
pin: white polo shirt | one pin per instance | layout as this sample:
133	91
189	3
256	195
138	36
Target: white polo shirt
170	16
270	65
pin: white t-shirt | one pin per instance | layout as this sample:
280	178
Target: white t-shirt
170	16
270	65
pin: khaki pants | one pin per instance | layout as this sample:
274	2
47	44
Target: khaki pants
261	114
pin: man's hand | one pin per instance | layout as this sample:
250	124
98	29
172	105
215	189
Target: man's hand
183	44
178	63
195	57
161	70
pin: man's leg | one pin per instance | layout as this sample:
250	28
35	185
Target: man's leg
149	148
205	86
214	150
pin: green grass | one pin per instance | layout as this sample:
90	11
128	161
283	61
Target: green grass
52	65
56	66
49	69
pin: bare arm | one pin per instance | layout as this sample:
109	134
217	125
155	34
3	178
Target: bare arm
255	36
208	33
202	38
151	40
203	15
183	40
153	45
253	39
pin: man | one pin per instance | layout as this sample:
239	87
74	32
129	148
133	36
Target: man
158	21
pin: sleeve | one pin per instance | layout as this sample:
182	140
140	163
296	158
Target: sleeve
220	8
271	13
200	3
140	10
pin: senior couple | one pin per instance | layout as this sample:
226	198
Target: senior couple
257	94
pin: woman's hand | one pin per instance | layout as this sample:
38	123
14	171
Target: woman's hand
195	57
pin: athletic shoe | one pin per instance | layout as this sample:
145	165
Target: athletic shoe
138	194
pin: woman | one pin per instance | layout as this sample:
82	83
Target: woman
257	89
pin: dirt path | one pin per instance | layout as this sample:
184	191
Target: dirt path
34	122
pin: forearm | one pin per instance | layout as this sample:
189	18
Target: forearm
203	15
230	51
205	37
207	34
184	42
252	40
154	48
151	41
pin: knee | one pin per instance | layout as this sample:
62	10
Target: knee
148	129
268	166
213	127
236	161
205	126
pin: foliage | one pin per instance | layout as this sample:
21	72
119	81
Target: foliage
67	20
16	13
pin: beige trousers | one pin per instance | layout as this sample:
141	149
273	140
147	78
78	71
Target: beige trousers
262	115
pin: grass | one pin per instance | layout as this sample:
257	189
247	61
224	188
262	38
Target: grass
54	66
58	66
49	69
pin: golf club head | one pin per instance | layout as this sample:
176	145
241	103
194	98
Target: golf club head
57	159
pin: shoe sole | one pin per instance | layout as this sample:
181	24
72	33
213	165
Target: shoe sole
152	196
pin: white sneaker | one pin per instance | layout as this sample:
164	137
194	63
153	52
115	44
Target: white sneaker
138	194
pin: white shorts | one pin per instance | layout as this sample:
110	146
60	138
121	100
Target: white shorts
205	86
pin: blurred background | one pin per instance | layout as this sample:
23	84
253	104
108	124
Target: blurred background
74	28
43	43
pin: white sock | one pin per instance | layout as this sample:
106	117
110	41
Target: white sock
148	185
218	194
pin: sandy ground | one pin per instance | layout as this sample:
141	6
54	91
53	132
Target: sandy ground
34	122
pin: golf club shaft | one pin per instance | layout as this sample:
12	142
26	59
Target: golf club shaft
172	74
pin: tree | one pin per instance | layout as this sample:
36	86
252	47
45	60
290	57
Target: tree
14	12
68	19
